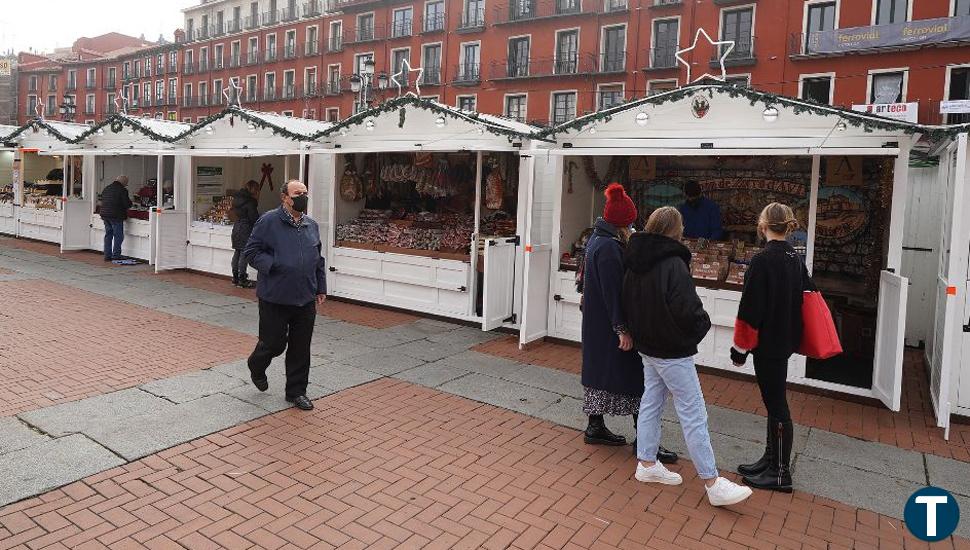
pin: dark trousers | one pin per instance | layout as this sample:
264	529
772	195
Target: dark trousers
772	375
287	328
114	230
239	266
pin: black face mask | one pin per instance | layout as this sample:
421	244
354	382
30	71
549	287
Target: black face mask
300	203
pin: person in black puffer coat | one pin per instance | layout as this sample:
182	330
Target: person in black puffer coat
115	203
245	215
666	319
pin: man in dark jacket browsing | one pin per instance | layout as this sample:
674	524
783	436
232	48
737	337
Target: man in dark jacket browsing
115	203
286	251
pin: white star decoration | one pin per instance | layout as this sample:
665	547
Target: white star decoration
232	93
724	53
121	103
39	110
394	77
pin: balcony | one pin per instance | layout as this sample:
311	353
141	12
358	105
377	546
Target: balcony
314	8
402	29
234	26
289	51
309	91
110	108
217	30
367	34
311	48
741	55
472	21
271	54
110	85
544	67
269	18
270	94
666	3
611	62
172	68
89	109
71	86
431	76
530	10
235	60
616	6
290	13
188	68
252	57
218	63
289	91
90	85
433	23
663	57
251	22
189	101
467	74
203	66
335	44
332	87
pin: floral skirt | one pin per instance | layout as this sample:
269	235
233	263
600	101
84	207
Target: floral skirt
612	404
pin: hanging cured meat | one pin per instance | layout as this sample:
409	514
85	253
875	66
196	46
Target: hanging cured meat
494	189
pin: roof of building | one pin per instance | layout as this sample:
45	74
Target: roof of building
290	127
63	131
155	129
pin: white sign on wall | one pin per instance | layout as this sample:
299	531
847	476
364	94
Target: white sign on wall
955	106
6	66
907	112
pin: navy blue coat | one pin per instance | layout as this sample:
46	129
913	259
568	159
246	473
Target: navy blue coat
292	271
605	366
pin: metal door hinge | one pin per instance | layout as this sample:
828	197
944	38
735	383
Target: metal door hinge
511	319
514	240
557	297
332	269
463	289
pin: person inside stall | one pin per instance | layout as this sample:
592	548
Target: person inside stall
244	215
702	216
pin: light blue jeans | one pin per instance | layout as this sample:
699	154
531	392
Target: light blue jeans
679	376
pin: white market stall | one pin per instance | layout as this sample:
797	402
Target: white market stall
213	160
44	178
139	148
844	173
7	152
424	209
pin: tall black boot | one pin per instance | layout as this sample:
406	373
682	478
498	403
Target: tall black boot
767	458
777	477
598	434
664	455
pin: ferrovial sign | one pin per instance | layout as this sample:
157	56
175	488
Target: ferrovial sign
931	514
900	111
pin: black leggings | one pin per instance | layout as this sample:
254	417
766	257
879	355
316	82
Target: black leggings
772	375
239	265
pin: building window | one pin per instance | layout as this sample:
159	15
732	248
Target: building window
609	95
333	114
219	56
112	78
473	15
252	87
269	86
33	84
655	87
817	89
467	102
891	11
471	55
365	27
235	53
359	61
613	56
90	80
518	62
736	26
567	52
289	49
515	107
203	93
289	84
126	70
959	89
51	105
31	105
333	79
820	17
336	36
270	47
89	104
52	83
312	41
187	95
432	64
398	57
403	22
203	60
434	16
886	88
563	107
173	61
961	7
666	38
172	91
217	98
522	9
159	91
252	53
310	82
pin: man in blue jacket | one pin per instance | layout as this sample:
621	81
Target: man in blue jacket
286	251
702	216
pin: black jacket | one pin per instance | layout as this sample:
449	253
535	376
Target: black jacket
244	206
770	314
663	312
115	202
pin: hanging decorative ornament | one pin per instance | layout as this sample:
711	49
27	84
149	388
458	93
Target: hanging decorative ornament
642	118
100	131
407	70
700	106
267	171
209	130
770	114
841	126
440	122
251	127
116	127
724	53
344	132
592	130
369	125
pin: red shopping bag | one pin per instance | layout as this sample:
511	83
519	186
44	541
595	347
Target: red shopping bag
819	338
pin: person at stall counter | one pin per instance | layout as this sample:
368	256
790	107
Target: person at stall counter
286	251
115	203
702	216
667	320
612	375
244	216
769	326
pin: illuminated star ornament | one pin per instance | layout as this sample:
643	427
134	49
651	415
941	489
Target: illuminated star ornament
39	110
725	52
232	93
121	103
407	70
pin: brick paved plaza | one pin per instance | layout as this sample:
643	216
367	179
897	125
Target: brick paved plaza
127	421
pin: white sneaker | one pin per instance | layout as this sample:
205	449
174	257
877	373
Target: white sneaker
657	473
725	492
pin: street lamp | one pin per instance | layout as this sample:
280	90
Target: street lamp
361	83
67	110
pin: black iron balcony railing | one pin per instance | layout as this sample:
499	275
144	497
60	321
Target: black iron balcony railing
314	8
252	57
290	13
289	51
110	108
333	87
271	54
613	62
309	90
89	109
468	73
271	94
572	64
664	56
613	6
289	91
218	62
311	48
270	18
741	54
526	10
335	44
472	19
90	85
402	28
660	3
251	22
433	23
235	60
188	68
71	86
189	101
203	66
367	34
110	85
234	26
431	76
217	30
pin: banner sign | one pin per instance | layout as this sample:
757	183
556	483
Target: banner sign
907	112
6	66
922	31
955	106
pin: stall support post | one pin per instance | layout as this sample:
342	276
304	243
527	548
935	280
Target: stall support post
302	170
159	198
473	294
286	169
18	177
897	215
812	212
66	178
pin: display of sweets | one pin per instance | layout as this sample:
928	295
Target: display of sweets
736	274
421	231
713	271
6	194
42	201
219	212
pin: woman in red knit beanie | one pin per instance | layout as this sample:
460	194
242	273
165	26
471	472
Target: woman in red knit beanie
612	371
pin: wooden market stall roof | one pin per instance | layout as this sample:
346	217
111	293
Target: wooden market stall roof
294	128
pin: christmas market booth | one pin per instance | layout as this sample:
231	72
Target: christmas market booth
845	174
425	208
216	158
44	179
7	152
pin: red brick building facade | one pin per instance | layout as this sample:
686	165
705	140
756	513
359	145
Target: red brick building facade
539	60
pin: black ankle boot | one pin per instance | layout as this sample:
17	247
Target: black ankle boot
777	476
598	434
767	458
664	455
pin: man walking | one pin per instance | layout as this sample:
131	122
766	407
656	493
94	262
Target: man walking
285	249
115	203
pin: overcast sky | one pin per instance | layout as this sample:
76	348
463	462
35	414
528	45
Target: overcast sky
46	24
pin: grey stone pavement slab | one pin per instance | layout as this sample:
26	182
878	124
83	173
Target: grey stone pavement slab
865	455
192	386
384	338
427	350
333	349
431	375
15	435
140	436
52	464
340	377
383	362
79	416
273	400
500	393
950	474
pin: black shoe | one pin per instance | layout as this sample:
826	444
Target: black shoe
598	434
246	283
262	384
665	456
301	402
767	458
771	479
777	476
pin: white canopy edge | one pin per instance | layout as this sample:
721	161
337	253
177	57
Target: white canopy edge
410	147
109	152
241	153
663	151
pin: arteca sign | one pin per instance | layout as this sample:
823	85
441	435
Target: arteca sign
898	111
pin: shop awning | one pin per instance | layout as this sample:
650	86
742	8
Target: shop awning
65	132
160	131
293	128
